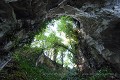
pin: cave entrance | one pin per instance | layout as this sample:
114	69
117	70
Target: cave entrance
57	42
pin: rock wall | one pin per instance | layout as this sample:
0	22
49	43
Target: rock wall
99	28
99	25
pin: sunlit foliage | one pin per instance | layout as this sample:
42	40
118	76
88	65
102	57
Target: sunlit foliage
58	40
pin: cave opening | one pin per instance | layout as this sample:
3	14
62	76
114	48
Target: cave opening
85	46
58	50
57	41
53	51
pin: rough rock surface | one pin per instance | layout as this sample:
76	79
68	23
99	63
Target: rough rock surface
99	26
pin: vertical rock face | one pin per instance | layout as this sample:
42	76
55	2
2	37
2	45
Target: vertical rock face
100	28
99	25
111	40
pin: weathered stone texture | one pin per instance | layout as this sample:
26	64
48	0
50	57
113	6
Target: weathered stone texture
99	24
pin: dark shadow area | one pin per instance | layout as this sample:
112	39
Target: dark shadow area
111	37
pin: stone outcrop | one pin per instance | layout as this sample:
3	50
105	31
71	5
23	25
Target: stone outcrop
99	25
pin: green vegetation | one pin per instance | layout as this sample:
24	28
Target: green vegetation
57	41
27	64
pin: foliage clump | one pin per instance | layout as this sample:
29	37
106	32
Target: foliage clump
58	40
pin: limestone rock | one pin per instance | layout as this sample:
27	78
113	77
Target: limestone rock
99	21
